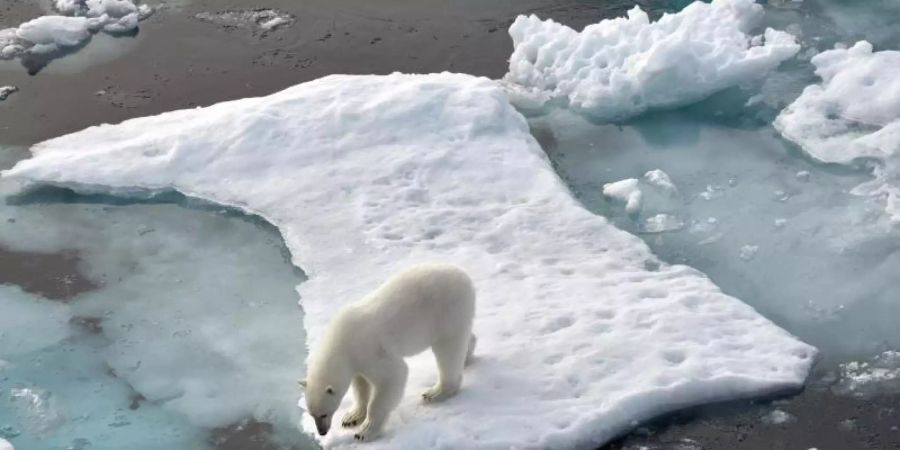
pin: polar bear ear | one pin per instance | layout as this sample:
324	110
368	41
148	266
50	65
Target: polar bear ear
301	382
329	390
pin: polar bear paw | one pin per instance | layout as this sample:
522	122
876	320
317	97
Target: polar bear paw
366	432
353	418
439	393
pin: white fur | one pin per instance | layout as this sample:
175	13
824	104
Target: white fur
426	306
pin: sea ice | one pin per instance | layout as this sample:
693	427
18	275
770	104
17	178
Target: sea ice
619	68
5	445
854	114
583	333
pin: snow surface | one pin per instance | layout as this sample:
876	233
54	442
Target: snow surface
52	33
619	68
582	331
853	114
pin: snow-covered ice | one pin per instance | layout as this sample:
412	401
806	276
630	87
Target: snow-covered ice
619	68
583	332
854	114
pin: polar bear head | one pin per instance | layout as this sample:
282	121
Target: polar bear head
324	388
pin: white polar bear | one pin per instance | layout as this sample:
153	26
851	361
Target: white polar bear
426	306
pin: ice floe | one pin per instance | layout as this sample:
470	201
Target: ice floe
619	68
583	333
853	115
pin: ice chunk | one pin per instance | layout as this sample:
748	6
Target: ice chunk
660	223
6	91
362	175
661	180
747	252
853	114
778	417
619	68
627	191
54	32
36	408
47	35
5	445
254	19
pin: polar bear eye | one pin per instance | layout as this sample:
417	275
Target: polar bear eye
323	416
329	390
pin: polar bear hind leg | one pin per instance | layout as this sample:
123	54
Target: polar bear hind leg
451	354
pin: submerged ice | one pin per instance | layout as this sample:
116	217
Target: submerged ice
172	343
583	332
622	67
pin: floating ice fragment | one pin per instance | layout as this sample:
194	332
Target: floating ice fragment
5	445
779	223
6	91
712	191
621	67
660	179
660	223
253	19
803	175
36	408
627	191
54	32
748	252
778	417
879	375
48	35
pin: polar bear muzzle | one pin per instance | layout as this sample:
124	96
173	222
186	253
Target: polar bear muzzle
323	423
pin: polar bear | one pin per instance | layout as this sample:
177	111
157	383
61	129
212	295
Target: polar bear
425	306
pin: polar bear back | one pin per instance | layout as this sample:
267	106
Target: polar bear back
416	307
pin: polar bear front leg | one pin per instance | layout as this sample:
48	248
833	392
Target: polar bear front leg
361	394
387	382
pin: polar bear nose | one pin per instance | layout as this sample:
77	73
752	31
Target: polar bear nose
323	423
